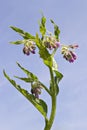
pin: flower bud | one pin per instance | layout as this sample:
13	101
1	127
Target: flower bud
74	46
36	89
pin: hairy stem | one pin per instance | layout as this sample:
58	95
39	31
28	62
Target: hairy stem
49	123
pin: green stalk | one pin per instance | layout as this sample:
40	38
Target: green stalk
49	123
52	116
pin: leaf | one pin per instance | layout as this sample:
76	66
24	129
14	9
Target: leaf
44	54
58	75
47	59
38	103
54	88
18	42
56	85
28	80
55	66
42	26
56	29
31	76
48	62
25	35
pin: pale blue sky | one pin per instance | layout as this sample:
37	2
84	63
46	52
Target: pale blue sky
16	113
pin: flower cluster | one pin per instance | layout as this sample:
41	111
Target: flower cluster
51	42
29	46
68	53
36	89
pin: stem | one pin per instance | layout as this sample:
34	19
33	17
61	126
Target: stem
52	116
48	124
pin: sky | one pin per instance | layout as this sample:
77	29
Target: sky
71	17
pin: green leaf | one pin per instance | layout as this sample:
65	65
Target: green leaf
18	42
38	103
48	62
56	85
56	29
58	75
44	54
42	26
31	76
47	59
55	66
12	81
25	35
28	80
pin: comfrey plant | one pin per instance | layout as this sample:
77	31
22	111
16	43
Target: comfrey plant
47	43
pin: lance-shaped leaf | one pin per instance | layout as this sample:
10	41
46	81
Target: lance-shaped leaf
31	76
25	35
42	26
27	80
18	42
56	29
38	103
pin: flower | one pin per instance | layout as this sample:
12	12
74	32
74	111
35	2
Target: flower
26	50
51	42
36	89
29	47
69	54
74	46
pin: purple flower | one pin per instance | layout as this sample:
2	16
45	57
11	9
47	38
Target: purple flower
71	60
51	43
73	55
36	91
48	45
26	50
57	44
29	47
68	54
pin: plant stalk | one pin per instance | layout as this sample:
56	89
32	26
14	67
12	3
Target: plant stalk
48	124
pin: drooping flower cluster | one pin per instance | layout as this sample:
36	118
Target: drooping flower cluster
36	89
51	42
29	47
68	52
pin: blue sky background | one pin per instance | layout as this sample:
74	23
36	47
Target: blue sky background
71	16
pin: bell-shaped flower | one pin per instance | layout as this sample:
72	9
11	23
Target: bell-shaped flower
51	42
29	47
68	52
